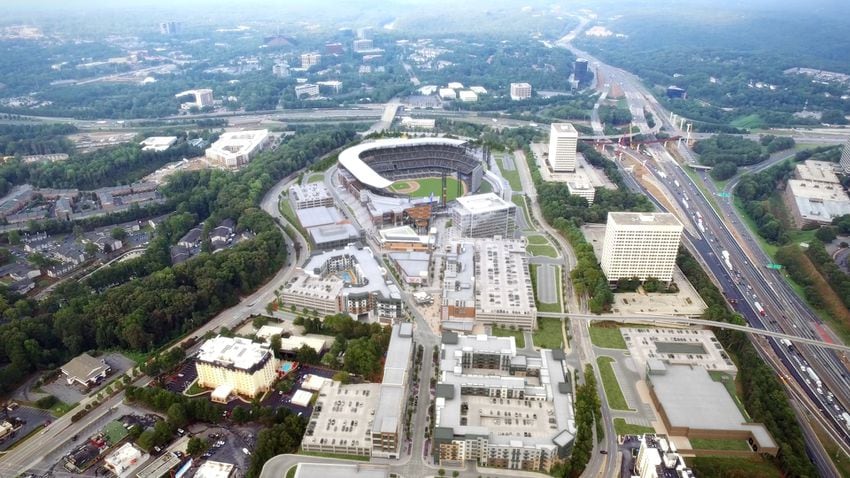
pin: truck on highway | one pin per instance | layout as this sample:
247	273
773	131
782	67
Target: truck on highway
700	226
785	342
685	202
726	260
846	417
759	308
676	182
815	379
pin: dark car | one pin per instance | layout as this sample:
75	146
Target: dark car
604	452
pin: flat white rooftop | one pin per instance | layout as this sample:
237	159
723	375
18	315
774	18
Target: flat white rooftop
644	219
236	143
158	143
482	203
234	352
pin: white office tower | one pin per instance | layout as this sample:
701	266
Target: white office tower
484	215
845	159
520	91
563	140
640	244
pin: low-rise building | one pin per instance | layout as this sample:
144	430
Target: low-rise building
404	238
468	96
310	195
307	89
237	148
334	236
448	94
418	123
293	343
85	370
691	404
581	187
657	458
340	419
817	172
413	266
158	143
249	368
500	409
123	461
215	469
815	202
348	280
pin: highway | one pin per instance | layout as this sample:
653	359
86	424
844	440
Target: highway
747	282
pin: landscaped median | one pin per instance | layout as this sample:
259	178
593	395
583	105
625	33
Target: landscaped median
616	400
607	337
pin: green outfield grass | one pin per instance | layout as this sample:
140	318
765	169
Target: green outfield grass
427	186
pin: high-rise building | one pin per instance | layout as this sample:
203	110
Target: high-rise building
363	44
580	69
169	28
484	215
640	244
280	70
520	91
563	141
309	60
845	157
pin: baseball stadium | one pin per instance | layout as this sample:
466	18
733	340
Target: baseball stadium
404	181
440	169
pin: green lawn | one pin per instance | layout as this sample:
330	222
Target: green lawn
194	389
536	250
427	186
748	122
621	427
718	444
62	408
315	178
616	400
607	337
506	332
537	239
511	176
332	455
725	466
520	202
548	334
291	472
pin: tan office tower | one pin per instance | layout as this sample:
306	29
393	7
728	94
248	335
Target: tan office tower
640	244
563	140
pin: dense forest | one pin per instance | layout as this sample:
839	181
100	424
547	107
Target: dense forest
143	313
732	63
23	140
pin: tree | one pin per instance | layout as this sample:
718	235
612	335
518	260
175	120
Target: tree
14	237
274	344
177	415
826	234
118	233
306	354
90	249
724	170
196	446
342	377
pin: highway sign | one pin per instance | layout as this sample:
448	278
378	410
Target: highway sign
771	265
723	195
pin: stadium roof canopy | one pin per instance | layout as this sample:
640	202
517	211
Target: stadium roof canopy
350	158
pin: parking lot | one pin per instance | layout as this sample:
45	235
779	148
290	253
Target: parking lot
182	378
60	389
33	418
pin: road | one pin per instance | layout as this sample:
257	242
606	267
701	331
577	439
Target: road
748	282
29	454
